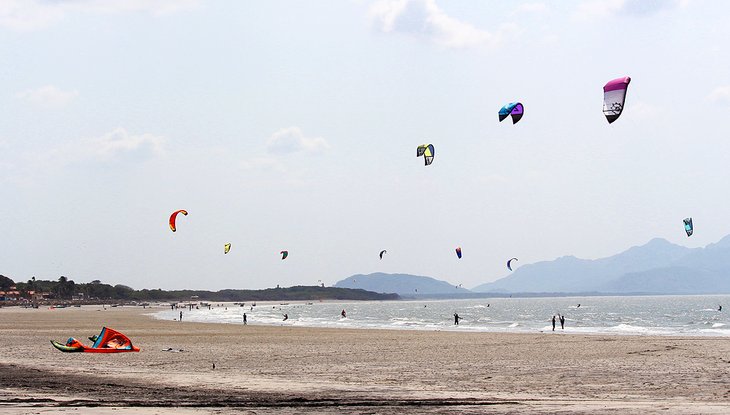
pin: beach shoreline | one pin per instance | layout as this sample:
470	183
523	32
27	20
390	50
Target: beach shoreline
270	369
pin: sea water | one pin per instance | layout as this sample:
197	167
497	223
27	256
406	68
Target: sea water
640	315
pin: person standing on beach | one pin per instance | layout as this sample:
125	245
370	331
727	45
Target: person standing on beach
562	322
456	319
553	323
181	316
244	319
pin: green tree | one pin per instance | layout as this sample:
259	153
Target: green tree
62	287
6	283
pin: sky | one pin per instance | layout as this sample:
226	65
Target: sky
282	125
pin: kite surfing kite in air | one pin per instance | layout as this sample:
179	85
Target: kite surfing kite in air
383	252
688	227
509	263
173	217
515	109
458	251
226	248
614	96
284	254
427	151
108	341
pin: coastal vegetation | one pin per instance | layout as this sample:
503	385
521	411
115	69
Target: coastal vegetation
66	289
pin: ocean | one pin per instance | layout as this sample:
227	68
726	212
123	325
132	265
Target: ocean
693	315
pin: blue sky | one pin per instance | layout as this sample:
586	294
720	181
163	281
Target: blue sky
293	125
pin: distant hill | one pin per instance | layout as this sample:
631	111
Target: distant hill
658	267
401	284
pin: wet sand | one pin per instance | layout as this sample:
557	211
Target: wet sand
287	370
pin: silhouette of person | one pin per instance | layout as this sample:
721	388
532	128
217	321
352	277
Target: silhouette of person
245	320
456	319
181	316
553	323
562	322
286	317
343	313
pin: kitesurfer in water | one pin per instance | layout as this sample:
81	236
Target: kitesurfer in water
553	323
578	305
343	313
719	308
456	319
562	322
286	317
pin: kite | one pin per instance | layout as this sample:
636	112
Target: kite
284	254
614	96
427	151
509	266
226	248
108	341
174	216
688	227
458	251
515	109
382	253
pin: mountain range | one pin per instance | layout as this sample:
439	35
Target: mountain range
657	267
401	284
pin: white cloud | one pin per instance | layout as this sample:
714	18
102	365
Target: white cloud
47	96
532	8
120	142
28	15
720	95
598	9
111	146
425	19
292	140
117	146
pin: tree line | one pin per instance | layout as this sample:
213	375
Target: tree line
66	289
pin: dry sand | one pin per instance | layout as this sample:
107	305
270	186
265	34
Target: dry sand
286	370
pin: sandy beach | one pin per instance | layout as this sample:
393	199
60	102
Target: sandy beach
260	369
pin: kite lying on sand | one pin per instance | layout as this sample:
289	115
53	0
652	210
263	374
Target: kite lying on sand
108	341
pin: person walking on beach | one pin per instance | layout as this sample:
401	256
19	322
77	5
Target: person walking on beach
562	322
456	319
343	314
553	323
244	319
181	316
